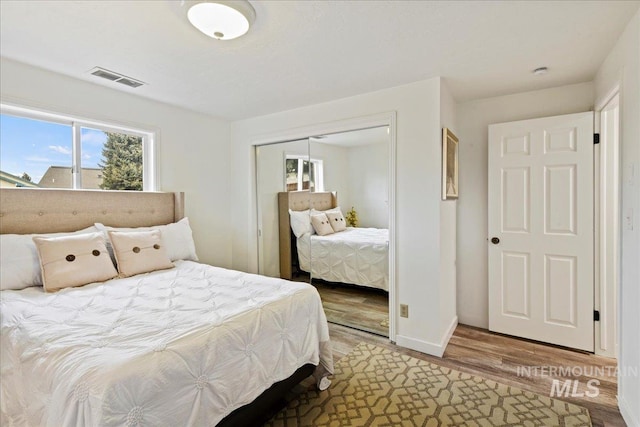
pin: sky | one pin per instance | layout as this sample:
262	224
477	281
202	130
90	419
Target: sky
31	146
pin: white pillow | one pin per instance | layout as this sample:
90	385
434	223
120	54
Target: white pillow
337	221
321	224
300	222
332	210
177	238
71	261
19	262
139	252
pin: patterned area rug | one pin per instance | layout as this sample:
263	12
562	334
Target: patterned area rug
373	386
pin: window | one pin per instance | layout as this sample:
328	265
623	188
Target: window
50	151
303	174
111	160
31	149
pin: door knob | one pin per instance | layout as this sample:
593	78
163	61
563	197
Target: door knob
495	240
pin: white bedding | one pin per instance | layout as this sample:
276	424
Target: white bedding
358	256
179	347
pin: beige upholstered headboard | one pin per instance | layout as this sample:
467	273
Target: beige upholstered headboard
37	210
297	201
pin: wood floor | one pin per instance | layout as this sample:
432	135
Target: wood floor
497	357
477	351
364	309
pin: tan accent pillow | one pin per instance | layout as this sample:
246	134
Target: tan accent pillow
177	238
139	252
337	221
321	224
73	260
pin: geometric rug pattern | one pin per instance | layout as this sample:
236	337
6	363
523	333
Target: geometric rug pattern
373	386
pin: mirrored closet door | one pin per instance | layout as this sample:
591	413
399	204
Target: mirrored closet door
328	222
282	168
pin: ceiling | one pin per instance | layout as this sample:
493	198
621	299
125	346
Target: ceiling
306	52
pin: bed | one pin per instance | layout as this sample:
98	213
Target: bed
357	256
189	345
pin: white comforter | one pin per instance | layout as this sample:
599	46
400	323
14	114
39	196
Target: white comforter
358	256
178	347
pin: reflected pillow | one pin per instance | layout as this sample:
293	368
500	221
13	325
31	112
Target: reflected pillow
139	252
300	222
337	221
321	224
328	211
71	261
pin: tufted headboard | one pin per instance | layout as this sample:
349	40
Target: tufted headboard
37	210
297	201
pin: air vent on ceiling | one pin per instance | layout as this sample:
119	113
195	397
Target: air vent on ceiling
116	77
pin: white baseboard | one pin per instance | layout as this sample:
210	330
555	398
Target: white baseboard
434	349
625	410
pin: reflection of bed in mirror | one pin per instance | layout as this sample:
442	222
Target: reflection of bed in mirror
357	256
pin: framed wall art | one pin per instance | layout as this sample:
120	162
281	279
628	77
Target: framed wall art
449	165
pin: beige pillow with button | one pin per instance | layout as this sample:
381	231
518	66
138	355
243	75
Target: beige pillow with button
73	260
337	221
321	224
139	252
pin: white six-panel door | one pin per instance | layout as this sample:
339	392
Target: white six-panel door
541	229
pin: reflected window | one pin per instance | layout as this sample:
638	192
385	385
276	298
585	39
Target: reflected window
302	173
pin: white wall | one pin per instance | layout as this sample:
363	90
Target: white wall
335	164
473	119
448	220
368	179
622	67
193	149
417	262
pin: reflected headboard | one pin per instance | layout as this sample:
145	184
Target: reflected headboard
37	210
297	201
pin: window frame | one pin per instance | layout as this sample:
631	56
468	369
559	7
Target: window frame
318	171
149	168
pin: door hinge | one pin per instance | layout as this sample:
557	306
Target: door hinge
596	315
596	138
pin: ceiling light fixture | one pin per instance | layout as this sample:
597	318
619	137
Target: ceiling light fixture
540	71
221	19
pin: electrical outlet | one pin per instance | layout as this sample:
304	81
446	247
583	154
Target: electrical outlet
404	310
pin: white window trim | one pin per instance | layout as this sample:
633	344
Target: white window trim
149	169
318	178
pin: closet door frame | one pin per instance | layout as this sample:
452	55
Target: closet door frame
358	123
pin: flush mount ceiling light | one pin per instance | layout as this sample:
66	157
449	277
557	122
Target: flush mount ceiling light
221	19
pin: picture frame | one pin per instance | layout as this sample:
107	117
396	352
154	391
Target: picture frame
449	165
